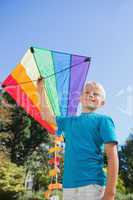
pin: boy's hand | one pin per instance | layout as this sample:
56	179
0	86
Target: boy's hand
40	83
108	197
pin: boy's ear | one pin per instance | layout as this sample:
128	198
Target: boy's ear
102	103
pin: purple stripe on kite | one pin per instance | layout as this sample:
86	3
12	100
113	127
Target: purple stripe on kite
77	80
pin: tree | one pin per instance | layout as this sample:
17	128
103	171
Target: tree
121	186
6	135
37	166
11	179
27	134
126	163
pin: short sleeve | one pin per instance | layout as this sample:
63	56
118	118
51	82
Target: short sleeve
60	121
108	131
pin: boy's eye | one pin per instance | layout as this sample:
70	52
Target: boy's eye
96	94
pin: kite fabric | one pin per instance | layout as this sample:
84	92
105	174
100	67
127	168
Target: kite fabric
64	75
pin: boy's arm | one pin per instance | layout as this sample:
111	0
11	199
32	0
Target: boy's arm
46	113
112	171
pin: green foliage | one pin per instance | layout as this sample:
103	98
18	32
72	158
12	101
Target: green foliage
37	165
27	195
40	195
121	196
120	186
58	193
28	135
6	135
126	163
11	178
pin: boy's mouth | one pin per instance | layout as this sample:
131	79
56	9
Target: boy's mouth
91	100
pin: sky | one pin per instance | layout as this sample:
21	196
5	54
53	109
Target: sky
100	29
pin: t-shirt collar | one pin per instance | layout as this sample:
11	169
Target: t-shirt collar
87	113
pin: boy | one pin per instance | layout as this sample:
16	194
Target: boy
85	136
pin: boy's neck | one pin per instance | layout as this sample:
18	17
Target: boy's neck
85	110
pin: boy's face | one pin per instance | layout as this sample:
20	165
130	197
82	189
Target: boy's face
91	98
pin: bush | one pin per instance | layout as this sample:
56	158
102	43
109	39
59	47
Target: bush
29	195
121	196
120	186
11	179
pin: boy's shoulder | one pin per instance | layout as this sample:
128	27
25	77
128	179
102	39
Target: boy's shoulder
103	117
104	120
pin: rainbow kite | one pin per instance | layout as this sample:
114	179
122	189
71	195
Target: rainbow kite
64	76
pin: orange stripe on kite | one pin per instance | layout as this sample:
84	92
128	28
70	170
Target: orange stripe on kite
20	75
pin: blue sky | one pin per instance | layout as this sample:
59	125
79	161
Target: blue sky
100	29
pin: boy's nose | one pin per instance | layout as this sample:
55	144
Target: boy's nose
91	95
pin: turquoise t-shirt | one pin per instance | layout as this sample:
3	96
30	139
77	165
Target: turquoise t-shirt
85	136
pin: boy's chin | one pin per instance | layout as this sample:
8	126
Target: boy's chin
91	107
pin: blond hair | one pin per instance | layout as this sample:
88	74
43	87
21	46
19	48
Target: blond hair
98	85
